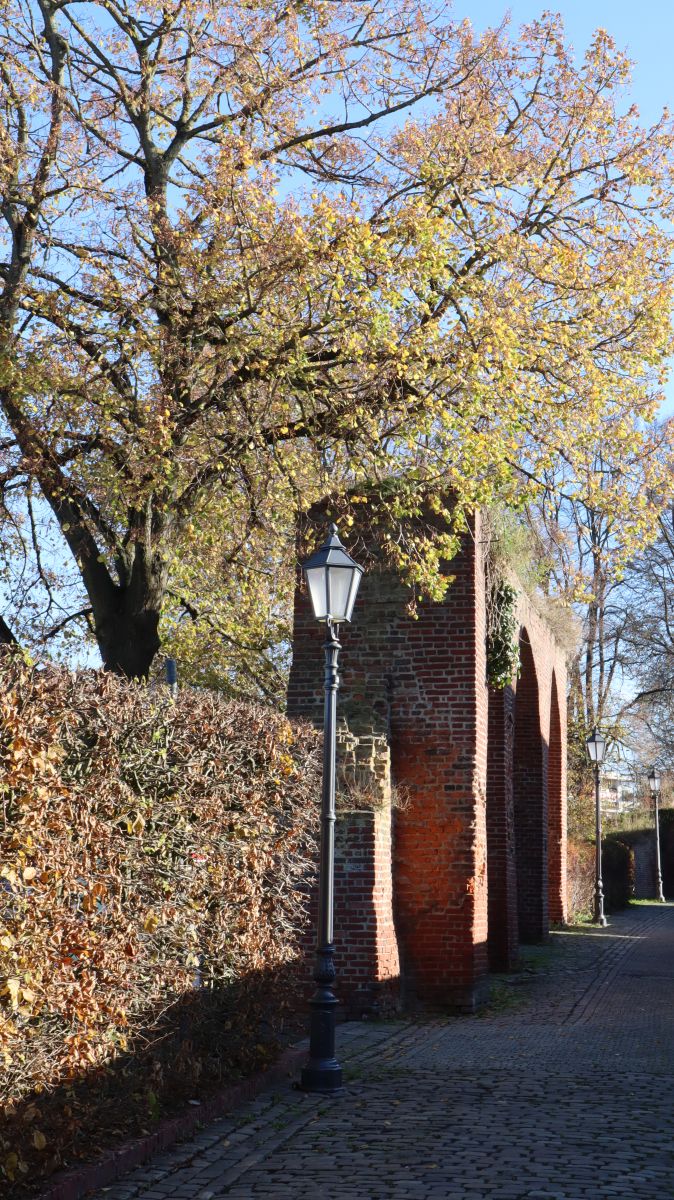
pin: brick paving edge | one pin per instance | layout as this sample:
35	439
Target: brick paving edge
78	1182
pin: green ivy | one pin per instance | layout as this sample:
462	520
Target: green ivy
503	650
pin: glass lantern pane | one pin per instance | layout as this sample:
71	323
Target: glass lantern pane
316	578
596	745
340	581
353	592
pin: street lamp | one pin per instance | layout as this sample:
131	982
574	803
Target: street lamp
171	671
596	748
654	784
333	578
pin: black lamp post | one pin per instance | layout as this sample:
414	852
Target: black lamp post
596	748
333	578
171	670
654	784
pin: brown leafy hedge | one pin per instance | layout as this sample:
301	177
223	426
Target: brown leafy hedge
580	879
153	867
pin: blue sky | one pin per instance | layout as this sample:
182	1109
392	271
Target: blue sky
643	28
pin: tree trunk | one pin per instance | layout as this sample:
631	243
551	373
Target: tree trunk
127	615
129	641
6	636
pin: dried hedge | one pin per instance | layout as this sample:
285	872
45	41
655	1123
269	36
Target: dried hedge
580	879
153	864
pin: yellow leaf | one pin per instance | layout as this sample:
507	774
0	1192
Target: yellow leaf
151	922
39	1140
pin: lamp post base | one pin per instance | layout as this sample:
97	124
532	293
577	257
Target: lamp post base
322	1072
599	918
325	1078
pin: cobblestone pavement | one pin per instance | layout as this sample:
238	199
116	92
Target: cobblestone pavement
563	1089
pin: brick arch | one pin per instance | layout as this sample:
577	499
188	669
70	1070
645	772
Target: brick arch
556	808
502	939
530	801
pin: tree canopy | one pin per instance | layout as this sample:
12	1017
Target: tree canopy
255	254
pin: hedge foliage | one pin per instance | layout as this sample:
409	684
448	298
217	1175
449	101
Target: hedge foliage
154	857
580	870
617	856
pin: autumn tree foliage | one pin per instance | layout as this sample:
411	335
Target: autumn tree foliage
257	253
154	859
585	539
649	648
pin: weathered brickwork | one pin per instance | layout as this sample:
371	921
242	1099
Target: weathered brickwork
502	870
557	814
434	891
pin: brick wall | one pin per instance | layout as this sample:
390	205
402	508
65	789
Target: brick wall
502	866
645	870
530	793
557	809
438	743
428	894
550	674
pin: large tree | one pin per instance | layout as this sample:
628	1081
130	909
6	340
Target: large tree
649	637
585	540
258	252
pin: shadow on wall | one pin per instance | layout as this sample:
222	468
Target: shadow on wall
628	868
629	863
530	802
617	871
667	851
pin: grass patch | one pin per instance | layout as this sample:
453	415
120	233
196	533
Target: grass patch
537	958
503	997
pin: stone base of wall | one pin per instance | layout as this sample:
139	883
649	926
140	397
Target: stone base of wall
463	999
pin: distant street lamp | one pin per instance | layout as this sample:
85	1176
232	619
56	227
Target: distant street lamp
333	578
596	748
654	784
171	671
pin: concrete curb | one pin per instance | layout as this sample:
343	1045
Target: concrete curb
76	1183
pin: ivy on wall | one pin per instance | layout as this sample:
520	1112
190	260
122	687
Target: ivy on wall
503	652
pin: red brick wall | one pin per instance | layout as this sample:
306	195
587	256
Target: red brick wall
550	668
438	742
502	867
366	946
530	802
413	885
557	809
366	955
364	908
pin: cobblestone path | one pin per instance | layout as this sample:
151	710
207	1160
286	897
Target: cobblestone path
563	1090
